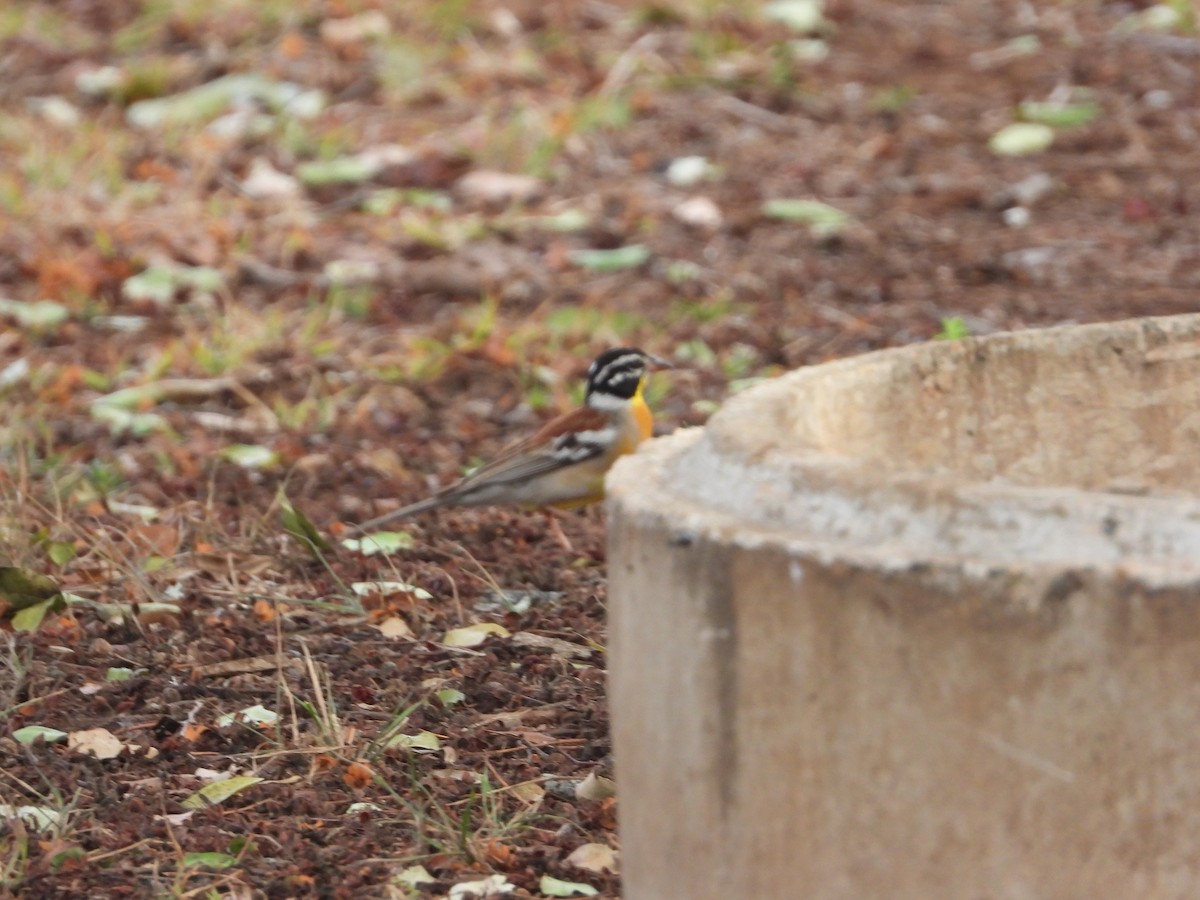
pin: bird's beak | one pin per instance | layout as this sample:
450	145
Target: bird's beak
659	362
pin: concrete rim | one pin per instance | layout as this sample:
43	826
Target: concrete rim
727	479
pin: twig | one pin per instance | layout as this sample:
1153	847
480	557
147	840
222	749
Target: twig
756	115
1167	43
257	271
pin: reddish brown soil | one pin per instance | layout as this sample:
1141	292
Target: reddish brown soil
891	128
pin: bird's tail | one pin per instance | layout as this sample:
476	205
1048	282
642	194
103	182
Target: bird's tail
395	515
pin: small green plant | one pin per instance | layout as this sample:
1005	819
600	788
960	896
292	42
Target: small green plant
354	300
14	664
395	725
14	855
103	477
603	111
953	329
451	19
36	814
322	709
480	323
892	99
739	361
1185	11
708	309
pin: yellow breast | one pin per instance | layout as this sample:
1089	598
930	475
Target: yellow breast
637	427
642	415
586	481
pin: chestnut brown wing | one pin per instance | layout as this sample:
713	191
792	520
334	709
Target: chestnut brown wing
570	439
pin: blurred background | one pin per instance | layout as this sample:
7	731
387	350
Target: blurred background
343	248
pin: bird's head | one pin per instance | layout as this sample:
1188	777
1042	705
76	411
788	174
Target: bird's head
618	375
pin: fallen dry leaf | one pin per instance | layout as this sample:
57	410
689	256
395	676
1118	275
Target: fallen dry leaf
247	666
484	186
354	29
485	888
473	635
557	646
322	762
596	787
529	791
498	854
358	776
265	610
159	539
98	742
394	627
593	858
192	731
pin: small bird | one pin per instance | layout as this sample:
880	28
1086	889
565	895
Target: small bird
563	464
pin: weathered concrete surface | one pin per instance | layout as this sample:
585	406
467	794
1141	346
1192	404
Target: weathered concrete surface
919	624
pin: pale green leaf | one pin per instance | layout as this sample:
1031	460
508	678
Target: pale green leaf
119	673
342	170
554	887
120	420
250	456
158	283
219	791
1021	139
1059	115
155	284
805	16
132	397
627	257
37	315
565	222
210	860
29	618
680	271
31	733
383	202
1160	17
207	101
40	817
450	696
383	542
200	278
822	219
251	715
60	552
145	513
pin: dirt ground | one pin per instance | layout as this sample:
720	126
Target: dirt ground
357	333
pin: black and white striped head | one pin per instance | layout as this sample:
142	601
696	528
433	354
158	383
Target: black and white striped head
618	375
